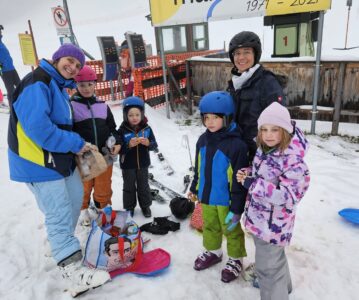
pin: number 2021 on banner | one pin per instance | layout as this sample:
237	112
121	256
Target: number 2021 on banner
283	7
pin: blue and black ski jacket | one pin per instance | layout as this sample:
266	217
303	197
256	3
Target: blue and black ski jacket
40	138
219	155
137	157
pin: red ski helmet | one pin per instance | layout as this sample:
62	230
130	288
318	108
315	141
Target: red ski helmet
86	74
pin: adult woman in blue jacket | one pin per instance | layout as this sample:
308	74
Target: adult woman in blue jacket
252	87
41	153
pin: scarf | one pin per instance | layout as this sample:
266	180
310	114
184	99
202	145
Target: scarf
238	81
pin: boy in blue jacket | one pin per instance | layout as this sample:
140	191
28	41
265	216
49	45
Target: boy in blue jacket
220	152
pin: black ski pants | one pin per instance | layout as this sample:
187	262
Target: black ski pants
11	80
135	181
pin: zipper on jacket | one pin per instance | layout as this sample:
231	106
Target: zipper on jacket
271	216
93	122
138	154
50	160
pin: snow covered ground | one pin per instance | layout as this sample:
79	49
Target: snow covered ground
323	257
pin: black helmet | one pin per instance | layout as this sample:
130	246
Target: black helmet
246	39
181	207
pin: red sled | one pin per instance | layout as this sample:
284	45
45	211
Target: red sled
150	264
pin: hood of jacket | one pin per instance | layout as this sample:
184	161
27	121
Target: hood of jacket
78	98
143	124
232	131
56	76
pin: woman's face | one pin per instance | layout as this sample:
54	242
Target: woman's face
68	67
243	59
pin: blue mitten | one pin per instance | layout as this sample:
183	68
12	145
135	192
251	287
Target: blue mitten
231	220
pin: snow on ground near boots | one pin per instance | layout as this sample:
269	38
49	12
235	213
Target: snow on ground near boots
323	256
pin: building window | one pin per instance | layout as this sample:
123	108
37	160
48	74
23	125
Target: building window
174	39
183	38
200	37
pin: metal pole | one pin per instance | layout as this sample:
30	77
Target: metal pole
119	81
188	87
112	93
69	20
317	71
72	32
162	51
33	40
346	32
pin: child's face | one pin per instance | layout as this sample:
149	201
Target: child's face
86	88
68	67
271	135
134	116
213	122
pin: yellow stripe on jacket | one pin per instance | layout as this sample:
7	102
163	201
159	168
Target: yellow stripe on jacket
28	149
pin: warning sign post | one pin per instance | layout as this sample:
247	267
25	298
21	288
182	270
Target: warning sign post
60	20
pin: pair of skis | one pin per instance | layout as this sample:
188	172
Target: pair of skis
160	186
156	196
169	170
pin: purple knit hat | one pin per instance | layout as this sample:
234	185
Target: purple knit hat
69	50
276	114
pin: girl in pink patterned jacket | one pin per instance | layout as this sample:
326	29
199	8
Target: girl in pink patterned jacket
276	183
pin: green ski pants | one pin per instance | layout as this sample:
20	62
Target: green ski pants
214	228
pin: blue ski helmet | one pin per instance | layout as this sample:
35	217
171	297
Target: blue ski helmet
131	102
219	103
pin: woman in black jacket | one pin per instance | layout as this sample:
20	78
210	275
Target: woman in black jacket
252	87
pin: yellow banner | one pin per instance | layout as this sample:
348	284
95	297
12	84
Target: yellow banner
174	12
284	7
27	49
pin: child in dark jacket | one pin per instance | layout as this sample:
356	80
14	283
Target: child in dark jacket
220	152
138	140
95	123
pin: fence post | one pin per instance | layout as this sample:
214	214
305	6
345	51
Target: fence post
338	98
188	87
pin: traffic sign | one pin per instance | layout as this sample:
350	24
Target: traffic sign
60	20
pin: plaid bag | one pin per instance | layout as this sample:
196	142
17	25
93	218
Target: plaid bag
196	218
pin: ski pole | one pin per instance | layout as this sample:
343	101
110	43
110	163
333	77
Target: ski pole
185	137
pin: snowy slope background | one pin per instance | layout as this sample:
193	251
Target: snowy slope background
323	256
